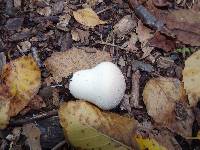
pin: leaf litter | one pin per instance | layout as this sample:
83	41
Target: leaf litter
145	39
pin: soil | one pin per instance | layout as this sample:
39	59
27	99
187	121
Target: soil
26	31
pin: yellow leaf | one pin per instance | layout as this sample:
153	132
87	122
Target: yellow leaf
161	96
23	78
191	78
87	17
86	127
148	143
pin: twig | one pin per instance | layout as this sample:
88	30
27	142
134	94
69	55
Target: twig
109	44
59	145
149	19
34	118
134	101
105	9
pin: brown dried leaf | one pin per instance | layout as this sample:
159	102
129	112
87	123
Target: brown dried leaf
33	136
81	35
61	64
144	33
87	127
191	78
185	24
130	44
5	97
46	11
162	96
161	41
36	103
87	17
124	26
92	3
63	22
161	3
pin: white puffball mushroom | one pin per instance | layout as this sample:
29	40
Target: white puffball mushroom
103	85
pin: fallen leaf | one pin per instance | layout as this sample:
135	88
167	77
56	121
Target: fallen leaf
46	11
87	17
62	64
161	3
81	35
161	97
162	42
17	3
41	3
25	46
93	2
86	127
185	24
124	26
75	35
130	44
36	103
32	134
23	78
146	51
63	22
14	23
144	33
191	78
4	113
148	143
155	139
58	7
164	62
2	61
5	97
15	134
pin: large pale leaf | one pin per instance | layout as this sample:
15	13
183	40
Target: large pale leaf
61	64
191	78
86	127
87	17
166	103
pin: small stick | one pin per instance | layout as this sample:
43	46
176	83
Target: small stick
109	44
105	9
34	118
59	145
134	100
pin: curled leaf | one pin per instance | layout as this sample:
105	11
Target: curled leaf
86	127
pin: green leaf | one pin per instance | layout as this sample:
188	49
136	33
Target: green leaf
86	127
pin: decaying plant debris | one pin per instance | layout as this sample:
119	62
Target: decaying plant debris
156	45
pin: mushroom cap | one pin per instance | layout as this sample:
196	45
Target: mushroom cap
103	85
